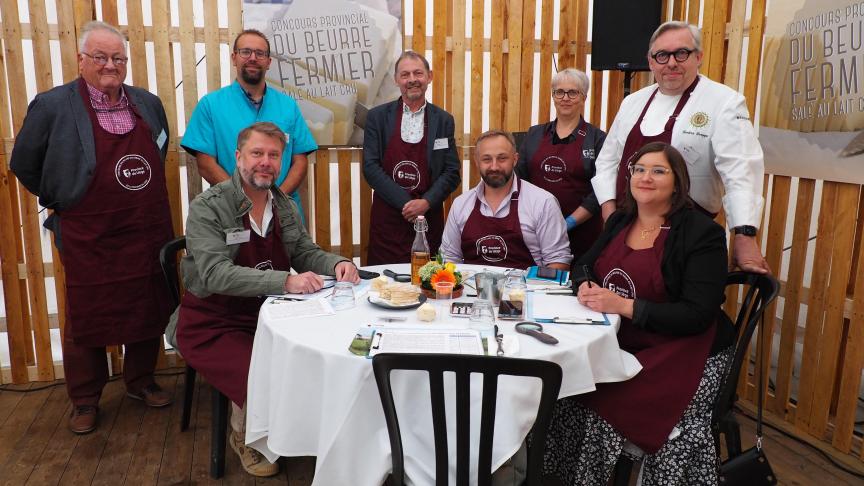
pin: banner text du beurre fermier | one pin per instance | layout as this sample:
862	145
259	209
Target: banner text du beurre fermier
826	62
323	55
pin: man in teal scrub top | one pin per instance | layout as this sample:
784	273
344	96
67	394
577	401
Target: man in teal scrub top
211	135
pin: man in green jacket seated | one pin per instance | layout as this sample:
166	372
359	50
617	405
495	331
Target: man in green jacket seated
243	236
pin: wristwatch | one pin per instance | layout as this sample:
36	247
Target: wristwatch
745	230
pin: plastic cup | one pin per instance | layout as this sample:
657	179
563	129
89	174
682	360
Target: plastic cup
342	296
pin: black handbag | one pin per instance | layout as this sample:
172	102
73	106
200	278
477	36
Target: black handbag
751	467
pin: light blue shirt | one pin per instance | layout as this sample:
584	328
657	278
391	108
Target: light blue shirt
222	114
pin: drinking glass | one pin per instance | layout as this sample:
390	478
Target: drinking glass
515	286
342	296
443	297
482	316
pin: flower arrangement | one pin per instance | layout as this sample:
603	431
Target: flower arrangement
437	271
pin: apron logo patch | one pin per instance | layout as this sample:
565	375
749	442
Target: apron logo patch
265	265
492	248
407	175
133	172
699	119
553	168
619	282
588	153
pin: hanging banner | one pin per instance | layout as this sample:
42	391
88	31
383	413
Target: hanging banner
812	102
334	57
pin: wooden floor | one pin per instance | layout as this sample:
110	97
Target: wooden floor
136	445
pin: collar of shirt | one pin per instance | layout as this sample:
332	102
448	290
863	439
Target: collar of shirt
101	100
504	208
256	104
265	220
556	140
412	123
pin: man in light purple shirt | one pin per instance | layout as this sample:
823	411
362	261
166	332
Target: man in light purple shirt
505	221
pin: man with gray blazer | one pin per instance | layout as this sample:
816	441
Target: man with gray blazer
410	161
93	151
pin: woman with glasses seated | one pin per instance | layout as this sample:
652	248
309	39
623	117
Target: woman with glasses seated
661	265
559	156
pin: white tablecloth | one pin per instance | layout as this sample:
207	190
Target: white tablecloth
308	395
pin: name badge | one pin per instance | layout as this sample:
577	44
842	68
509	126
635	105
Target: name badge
237	237
440	143
160	140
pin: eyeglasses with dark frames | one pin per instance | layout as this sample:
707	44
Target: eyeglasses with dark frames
680	55
571	93
246	53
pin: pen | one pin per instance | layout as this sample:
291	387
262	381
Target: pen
587	275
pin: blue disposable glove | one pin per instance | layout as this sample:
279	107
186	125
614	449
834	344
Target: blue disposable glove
571	222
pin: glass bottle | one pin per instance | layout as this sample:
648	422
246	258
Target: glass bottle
419	249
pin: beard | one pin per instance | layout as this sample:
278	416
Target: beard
250	178
252	78
496	179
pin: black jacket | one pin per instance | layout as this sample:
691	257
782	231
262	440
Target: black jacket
694	270
594	138
444	164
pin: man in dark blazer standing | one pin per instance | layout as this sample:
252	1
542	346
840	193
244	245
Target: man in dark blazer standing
93	151
410	161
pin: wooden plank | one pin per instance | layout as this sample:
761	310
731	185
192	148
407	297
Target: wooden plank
457	92
12	285
235	25
477	91
754	54
850	374
175	467
419	28
365	210
615	94
547	13
513	93
25	456
597	99
832	331
14	429
526	76
792	295
10	397
84	12
200	473
582	27
816	306
211	45
137	51
190	89
114	464
566	34
322	199
439	51
496	64
736	44
109	12
693	12
448	52
346	230
147	455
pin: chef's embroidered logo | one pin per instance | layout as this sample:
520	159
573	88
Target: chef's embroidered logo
492	248
265	265
133	172
407	175
553	168
699	119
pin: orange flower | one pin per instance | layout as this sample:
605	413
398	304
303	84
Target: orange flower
442	276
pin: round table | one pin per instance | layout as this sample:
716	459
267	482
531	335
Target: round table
308	395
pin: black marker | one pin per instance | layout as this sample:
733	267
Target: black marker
587	275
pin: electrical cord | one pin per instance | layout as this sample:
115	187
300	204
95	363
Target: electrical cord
163	372
830	459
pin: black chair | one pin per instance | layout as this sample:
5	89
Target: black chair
759	292
462	366
219	424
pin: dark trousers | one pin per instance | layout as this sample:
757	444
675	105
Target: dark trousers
86	369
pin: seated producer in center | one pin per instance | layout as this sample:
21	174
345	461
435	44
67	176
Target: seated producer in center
243	236
505	221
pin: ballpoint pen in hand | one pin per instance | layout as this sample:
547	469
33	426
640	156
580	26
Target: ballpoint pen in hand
587	275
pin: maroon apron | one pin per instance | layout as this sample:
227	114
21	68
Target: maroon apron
636	140
111	238
559	169
647	407
390	235
505	247
215	333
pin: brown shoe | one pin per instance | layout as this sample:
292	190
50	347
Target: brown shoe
83	419
153	396
253	461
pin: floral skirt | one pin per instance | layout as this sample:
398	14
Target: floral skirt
582	448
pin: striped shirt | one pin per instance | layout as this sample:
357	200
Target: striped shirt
116	118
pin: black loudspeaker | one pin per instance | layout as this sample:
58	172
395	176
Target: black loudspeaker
621	32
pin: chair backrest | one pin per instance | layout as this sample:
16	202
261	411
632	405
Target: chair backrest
463	366
168	262
760	291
